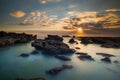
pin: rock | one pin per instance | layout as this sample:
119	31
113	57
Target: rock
31	79
54	37
116	61
65	36
64	58
56	70
77	48
85	57
72	41
106	59
24	55
7	39
52	47
105	54
35	52
81	53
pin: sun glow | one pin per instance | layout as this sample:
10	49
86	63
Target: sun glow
80	30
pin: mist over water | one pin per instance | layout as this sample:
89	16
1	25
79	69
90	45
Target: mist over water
13	66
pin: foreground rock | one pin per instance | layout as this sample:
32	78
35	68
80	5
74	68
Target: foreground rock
105	54
64	58
52	45
85	57
57	70
106	59
7	39
31	79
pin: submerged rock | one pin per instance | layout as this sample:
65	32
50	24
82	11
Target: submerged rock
64	58
52	47
116	61
57	70
31	79
35	52
24	55
106	59
85	57
105	54
81	53
77	47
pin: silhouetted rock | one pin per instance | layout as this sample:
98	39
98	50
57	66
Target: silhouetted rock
52	47
31	79
106	59
54	37
24	55
64	58
105	54
56	70
85	57
72	40
81	53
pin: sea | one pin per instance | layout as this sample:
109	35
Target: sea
12	66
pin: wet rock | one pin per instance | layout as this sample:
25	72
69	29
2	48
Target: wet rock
64	58
24	55
72	40
105	54
81	53
85	57
52	47
7	39
31	79
57	70
35	52
116	61
106	59
54	37
77	47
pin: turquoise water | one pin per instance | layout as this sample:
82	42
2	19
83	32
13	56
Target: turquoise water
13	66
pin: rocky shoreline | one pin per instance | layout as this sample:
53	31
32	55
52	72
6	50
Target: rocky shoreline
107	42
8	39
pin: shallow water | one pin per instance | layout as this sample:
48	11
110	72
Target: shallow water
13	66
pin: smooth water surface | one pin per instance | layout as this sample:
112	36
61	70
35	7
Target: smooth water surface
13	66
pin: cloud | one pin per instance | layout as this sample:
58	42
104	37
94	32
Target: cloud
18	14
39	18
48	1
72	6
112	10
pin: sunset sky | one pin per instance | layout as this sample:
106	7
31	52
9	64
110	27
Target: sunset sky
92	16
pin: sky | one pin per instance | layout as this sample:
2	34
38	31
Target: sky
94	16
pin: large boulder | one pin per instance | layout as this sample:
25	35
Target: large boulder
52	47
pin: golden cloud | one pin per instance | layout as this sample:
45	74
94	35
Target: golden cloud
48	1
112	10
18	14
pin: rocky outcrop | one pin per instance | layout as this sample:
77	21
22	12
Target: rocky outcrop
72	40
81	53
24	55
85	57
52	45
105	54
31	79
7	39
61	57
57	70
106	59
108	42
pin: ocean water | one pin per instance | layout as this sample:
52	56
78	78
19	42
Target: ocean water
13	66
